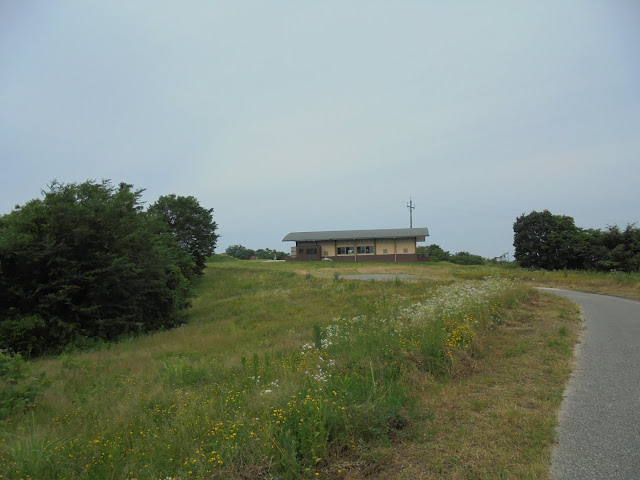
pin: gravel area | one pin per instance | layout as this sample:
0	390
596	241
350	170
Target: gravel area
379	276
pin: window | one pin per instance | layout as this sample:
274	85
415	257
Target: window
325	253
312	251
301	250
405	250
384	250
345	250
367	249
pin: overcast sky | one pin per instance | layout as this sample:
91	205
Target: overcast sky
291	116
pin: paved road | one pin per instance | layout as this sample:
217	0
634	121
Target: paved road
599	431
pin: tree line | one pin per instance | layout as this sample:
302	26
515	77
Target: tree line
435	252
554	242
87	262
243	253
438	254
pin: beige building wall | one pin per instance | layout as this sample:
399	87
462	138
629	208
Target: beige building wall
328	249
406	244
384	247
381	247
395	246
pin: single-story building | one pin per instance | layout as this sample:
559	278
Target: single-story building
382	245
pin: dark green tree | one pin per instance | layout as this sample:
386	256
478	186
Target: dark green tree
240	252
619	249
269	254
86	262
190	224
466	258
436	253
544	240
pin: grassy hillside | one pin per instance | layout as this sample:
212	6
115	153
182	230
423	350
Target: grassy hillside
285	370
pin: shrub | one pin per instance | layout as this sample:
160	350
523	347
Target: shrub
18	388
23	333
86	262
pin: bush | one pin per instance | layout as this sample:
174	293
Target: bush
466	258
86	261
18	388
22	333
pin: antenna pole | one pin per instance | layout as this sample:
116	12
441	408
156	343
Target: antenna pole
411	208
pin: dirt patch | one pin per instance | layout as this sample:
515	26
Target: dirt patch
380	276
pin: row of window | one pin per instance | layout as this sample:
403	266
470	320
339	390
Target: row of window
359	250
347	251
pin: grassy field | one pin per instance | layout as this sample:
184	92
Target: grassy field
287	371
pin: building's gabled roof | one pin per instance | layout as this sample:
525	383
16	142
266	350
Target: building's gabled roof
387	233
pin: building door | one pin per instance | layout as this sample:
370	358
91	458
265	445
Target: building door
312	253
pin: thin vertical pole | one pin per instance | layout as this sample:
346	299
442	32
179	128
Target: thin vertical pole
411	208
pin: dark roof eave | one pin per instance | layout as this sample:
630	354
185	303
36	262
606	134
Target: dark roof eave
394	233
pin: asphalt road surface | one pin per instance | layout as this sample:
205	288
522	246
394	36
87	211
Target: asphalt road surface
599	431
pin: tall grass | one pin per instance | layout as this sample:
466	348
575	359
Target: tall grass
278	376
613	283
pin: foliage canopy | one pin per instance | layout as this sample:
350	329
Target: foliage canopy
438	254
87	262
554	242
244	253
191	225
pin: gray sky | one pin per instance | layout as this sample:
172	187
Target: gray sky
299	116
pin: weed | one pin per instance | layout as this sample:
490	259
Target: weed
317	335
181	372
18	386
516	350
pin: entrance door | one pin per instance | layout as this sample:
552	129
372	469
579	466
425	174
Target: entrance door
312	253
